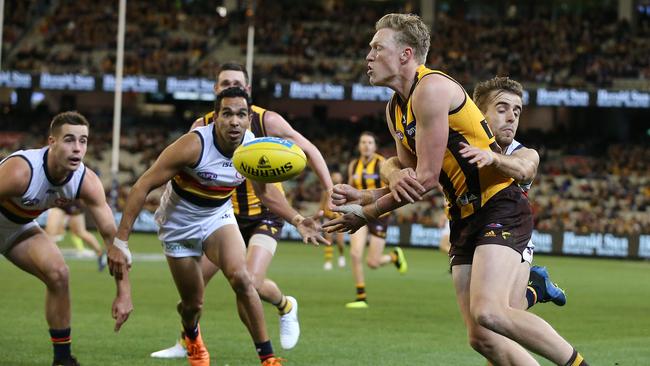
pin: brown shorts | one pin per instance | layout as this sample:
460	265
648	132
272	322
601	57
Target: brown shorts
506	219
266	223
378	228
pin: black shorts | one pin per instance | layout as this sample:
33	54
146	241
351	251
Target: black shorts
378	228
506	219
266	223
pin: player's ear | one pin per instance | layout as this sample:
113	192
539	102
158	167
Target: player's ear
406	54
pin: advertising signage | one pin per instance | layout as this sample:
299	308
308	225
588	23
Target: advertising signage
197	88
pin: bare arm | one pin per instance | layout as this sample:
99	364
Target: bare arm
183	152
274	199
432	101
277	126
521	165
399	171
93	195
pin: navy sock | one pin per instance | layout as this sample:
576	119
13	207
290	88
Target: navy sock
531	296
264	350
191	332
61	342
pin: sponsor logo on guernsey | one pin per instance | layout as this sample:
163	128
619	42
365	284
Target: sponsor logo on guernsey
399	134
506	235
207	175
494	225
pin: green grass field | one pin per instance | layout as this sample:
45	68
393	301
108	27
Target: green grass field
412	319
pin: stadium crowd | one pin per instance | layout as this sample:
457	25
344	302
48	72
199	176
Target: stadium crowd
577	189
322	41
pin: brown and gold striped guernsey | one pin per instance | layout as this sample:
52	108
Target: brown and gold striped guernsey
245	202
366	176
466	187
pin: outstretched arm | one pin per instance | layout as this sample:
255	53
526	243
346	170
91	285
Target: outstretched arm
521	165
93	195
274	199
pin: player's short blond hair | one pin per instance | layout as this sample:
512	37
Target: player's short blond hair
483	90
411	31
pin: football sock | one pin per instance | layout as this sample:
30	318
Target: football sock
361	292
536	282
393	257
61	342
531	296
576	360
191	332
329	253
284	306
264	350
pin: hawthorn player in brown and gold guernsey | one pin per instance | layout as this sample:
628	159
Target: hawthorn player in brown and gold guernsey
431	118
259	226
465	186
364	173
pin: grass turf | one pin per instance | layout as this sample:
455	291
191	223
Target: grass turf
412	319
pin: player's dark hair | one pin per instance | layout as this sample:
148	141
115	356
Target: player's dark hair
233	66
67	118
371	134
484	89
233	92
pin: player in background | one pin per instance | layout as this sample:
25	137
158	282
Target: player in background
53	176
364	173
73	212
260	227
338	238
432	119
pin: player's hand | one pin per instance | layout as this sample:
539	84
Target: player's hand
404	185
348	223
311	230
121	309
345	194
478	156
118	261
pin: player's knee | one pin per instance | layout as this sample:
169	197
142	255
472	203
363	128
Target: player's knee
240	280
355	255
57	276
489	317
481	343
373	263
258	281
